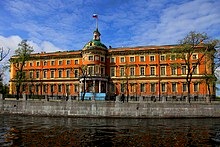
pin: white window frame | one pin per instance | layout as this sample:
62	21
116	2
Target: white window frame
163	87
142	87
141	58
152	58
91	58
152	87
112	60
164	70
152	74
52	71
60	73
122	71
44	74
132	57
164	57
132	71
121	59
196	89
112	74
142	70
60	62
68	73
174	87
102	58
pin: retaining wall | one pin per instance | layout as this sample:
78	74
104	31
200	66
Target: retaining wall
110	109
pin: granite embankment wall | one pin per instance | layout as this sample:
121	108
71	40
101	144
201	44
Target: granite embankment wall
110	109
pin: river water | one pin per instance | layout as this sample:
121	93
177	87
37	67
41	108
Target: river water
76	132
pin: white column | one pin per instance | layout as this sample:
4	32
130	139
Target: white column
94	86
99	86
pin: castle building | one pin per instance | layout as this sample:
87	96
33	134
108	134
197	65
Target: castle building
101	73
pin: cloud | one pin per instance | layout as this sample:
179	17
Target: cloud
176	20
12	42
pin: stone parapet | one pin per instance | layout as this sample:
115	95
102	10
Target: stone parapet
118	109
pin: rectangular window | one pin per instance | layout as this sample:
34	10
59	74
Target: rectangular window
76	73
51	88
173	71
52	74
196	87
163	87
45	63
162	58
142	58
131	59
90	70
38	63
132	71
37	74
142	86
162	70
184	87
112	71
122	59
45	74
152	71
37	88
194	56
59	88
173	87
97	69
77	61
142	71
91	58
152	87
31	74
194	69
67	73
31	64
112	60
102	70
122	71
60	62
152	58
52	63
60	73
102	59
183	70
67	62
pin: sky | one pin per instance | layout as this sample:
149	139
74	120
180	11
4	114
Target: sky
60	25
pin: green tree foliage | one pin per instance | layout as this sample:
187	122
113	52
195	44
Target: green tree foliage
22	54
191	45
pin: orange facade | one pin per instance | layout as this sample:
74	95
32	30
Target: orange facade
146	71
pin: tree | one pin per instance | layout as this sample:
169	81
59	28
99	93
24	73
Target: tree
3	53
22	54
84	71
189	48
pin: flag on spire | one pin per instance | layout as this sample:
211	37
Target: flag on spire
95	16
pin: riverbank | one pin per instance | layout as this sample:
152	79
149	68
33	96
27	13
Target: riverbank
111	109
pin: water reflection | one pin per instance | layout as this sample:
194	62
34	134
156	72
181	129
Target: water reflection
45	131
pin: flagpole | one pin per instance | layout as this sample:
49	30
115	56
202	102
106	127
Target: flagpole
96	17
97	22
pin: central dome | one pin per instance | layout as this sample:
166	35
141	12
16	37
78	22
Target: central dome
95	42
